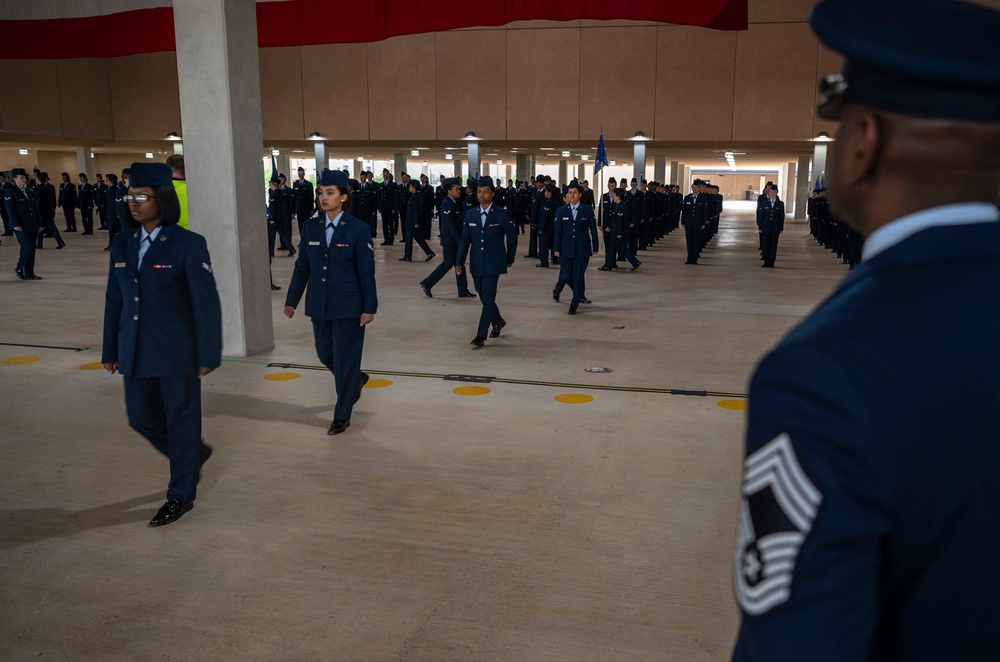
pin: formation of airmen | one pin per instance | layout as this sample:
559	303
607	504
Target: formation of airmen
831	233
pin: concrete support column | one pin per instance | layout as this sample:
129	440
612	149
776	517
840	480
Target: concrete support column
659	169
521	169
219	79
474	164
485	169
684	179
322	156
563	173
84	164
802	186
791	195
398	167
510	171
458	169
675	172
639	160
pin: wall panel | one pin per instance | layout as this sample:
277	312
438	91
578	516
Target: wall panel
85	98
145	100
614	93
775	82
694	83
401	88
335	105
281	93
543	84
29	102
470	98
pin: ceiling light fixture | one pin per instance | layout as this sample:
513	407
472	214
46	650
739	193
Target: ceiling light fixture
173	136
315	136
22	152
449	157
415	152
471	135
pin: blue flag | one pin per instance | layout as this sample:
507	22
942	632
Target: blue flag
274	167
820	183
602	155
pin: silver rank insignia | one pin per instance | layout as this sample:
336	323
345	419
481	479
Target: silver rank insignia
778	506
370	247
207	267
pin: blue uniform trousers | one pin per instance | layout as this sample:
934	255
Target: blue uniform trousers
26	258
627	253
284	232
412	235
167	412
769	246
49	225
339	344
571	272
544	248
450	253
487	288
692	235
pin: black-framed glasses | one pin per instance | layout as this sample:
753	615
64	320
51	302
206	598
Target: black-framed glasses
832	89
137	198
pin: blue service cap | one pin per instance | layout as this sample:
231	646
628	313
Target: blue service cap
150	174
923	58
486	180
332	178
451	181
18	171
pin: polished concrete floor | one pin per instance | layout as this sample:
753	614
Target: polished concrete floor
534	521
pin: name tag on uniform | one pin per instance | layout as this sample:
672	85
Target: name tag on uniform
119	264
163	266
472	225
314	243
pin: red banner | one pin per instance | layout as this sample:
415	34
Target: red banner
303	22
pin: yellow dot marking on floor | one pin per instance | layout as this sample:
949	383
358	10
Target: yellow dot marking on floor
20	359
92	366
471	390
574	398
733	405
378	383
281	376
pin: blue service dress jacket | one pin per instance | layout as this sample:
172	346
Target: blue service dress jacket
451	223
575	238
339	280
693	212
870	511
490	256
163	317
20	209
771	218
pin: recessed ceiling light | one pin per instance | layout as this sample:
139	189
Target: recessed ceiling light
549	149
415	153
449	157
565	153
149	155
612	162
22	152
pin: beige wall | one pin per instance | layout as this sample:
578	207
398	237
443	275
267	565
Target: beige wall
544	80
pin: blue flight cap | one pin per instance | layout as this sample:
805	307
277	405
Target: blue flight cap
274	179
922	58
620	192
451	181
486	180
333	178
18	171
126	172
150	174
470	182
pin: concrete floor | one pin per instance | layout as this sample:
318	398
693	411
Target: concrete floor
504	526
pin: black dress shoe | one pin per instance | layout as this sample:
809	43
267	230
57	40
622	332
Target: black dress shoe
637	265
542	266
478	342
171	511
555	296
84	234
338	426
32	277
572	311
60	246
426	290
430	257
20	274
386	243
585	300
495	331
405	259
530	255
467	295
291	253
361	384
604	268
275	288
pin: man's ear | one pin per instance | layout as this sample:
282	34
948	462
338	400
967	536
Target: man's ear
865	142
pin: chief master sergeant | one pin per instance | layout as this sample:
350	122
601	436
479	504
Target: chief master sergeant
869	523
336	271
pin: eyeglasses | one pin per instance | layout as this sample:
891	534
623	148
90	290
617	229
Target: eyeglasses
137	198
832	89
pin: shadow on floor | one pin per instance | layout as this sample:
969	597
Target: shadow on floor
30	525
